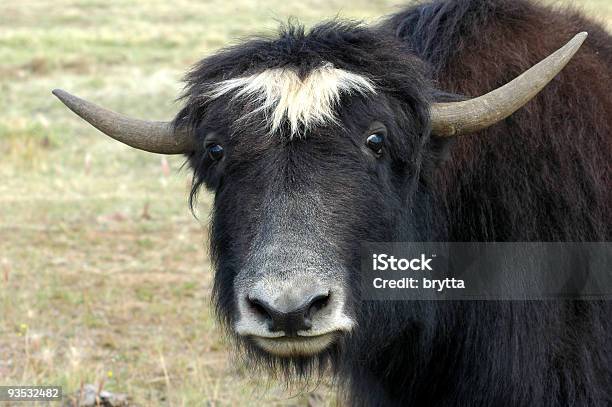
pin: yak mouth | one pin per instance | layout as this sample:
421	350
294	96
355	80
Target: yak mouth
296	346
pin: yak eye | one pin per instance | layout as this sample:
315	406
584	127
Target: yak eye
375	142
215	152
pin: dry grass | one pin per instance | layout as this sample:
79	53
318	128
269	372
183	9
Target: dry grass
104	276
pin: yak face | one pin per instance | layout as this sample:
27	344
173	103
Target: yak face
312	143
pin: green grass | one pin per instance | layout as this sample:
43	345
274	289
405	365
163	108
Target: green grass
104	276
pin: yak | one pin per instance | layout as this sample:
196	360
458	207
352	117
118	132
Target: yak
452	120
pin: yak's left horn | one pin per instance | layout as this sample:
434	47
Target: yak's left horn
155	137
468	116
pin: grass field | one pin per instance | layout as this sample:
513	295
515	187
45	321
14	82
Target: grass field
104	276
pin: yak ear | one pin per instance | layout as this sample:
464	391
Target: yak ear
439	149
437	152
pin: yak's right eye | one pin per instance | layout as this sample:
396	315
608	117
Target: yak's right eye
375	142
215	152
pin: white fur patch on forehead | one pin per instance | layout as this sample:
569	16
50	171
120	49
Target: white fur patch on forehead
305	103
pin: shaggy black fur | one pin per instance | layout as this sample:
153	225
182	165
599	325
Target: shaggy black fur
541	175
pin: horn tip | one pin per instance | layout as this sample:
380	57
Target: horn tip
581	36
60	94
67	98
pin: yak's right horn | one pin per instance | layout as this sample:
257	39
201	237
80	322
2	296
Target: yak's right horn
155	137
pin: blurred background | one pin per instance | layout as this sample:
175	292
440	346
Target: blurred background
104	272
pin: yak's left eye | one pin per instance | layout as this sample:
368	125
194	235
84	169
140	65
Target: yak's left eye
375	142
215	152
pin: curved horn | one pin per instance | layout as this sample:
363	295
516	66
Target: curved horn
456	118
155	137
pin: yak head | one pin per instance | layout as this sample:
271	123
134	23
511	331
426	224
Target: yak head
312	142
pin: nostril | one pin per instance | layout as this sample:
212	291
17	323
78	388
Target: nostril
317	303
260	308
